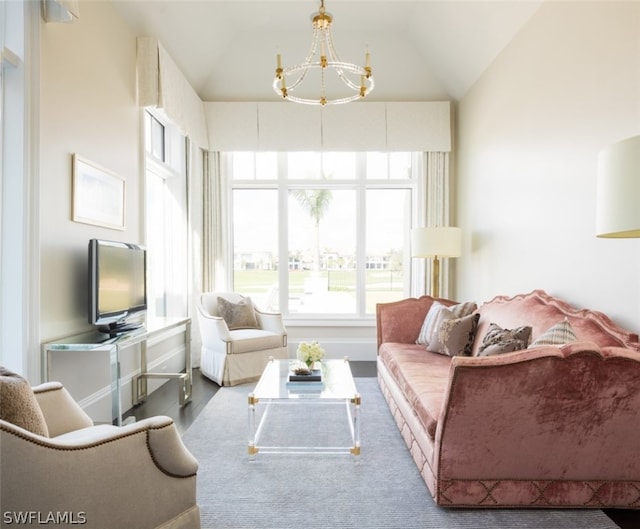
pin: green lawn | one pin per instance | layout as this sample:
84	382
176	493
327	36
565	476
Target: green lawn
382	286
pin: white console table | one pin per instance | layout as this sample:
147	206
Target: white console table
97	341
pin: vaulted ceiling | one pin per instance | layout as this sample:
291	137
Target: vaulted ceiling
420	50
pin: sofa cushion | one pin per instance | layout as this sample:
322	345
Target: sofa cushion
455	336
439	313
423	378
18	404
499	340
239	315
559	334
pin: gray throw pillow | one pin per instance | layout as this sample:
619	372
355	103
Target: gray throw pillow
439	313
499	340
455	336
239	315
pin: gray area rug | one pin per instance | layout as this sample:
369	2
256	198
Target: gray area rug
382	490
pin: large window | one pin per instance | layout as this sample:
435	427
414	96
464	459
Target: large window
166	218
321	234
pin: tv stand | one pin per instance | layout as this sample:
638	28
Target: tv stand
118	328
114	345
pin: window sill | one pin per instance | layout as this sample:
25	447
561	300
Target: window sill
317	321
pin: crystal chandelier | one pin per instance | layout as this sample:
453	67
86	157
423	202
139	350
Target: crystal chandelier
353	81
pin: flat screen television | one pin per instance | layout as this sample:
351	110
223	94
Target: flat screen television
117	285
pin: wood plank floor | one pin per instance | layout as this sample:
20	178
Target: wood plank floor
164	401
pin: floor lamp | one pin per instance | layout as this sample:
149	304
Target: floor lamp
618	190
436	242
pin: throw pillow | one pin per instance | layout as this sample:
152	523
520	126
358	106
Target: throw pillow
559	334
439	313
455	336
18	404
499	340
239	315
463	309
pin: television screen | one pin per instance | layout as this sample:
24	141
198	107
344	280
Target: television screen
117	283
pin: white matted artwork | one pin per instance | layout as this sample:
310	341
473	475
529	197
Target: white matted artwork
98	195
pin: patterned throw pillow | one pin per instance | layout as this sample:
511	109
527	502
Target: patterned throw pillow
18	404
455	336
499	340
239	315
436	318
560	334
439	313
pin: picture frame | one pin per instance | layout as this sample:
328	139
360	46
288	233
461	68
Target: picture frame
98	195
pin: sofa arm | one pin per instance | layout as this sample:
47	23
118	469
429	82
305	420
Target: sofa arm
401	321
61	413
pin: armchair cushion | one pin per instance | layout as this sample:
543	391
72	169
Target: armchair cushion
18	404
239	315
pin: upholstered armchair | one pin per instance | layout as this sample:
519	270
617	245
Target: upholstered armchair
60	469
237	338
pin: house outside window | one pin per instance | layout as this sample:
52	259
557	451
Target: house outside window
338	221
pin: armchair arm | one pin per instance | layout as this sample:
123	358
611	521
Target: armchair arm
164	443
140	475
271	321
213	329
61	413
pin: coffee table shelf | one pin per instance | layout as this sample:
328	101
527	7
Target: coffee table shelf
274	395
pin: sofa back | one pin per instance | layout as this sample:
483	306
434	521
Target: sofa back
541	311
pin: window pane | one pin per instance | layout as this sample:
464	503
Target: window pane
304	166
339	165
400	165
255	246
377	166
267	166
388	223
322	249
242	166
156	245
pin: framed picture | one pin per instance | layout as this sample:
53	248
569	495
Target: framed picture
98	195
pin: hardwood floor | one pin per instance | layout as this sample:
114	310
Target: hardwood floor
164	402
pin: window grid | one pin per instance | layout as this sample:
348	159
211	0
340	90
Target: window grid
293	295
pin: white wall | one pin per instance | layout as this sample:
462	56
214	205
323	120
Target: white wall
528	137
88	106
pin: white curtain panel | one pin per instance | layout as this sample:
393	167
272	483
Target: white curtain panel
436	188
215	276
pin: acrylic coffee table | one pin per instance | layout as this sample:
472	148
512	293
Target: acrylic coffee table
275	400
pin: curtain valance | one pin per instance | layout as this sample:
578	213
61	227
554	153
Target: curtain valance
161	84
362	126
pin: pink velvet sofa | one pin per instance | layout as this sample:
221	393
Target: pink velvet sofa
548	426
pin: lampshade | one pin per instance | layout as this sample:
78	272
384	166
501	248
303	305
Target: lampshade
437	241
618	190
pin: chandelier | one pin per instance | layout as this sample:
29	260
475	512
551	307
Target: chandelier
349	81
